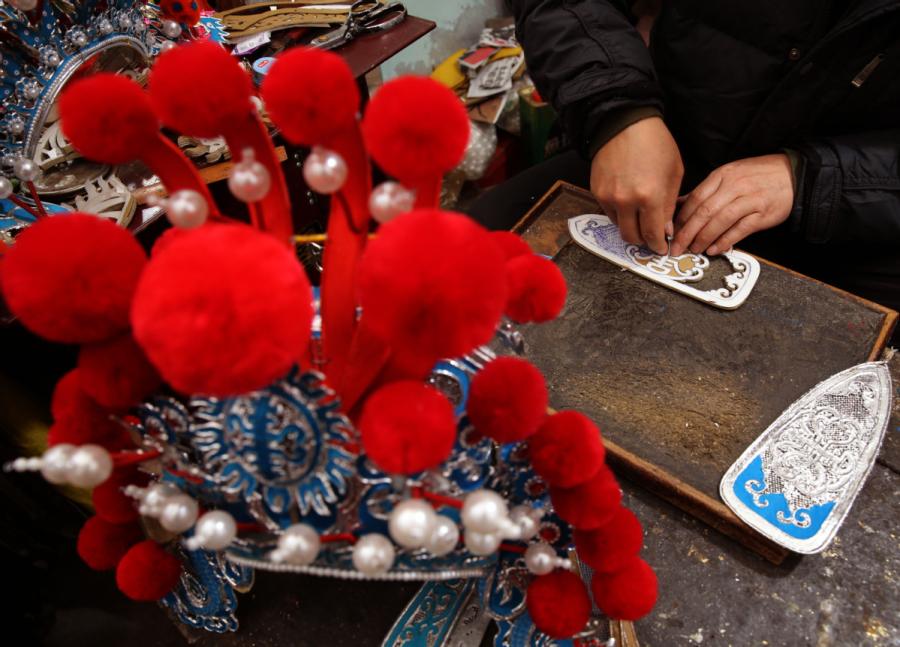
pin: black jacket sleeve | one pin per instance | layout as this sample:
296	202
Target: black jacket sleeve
848	189
587	59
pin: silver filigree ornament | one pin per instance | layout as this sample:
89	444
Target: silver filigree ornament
796	483
288	444
597	234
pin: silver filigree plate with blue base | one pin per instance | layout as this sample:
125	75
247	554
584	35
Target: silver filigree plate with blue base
796	483
600	236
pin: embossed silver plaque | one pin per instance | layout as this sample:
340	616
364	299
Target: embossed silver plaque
797	481
599	235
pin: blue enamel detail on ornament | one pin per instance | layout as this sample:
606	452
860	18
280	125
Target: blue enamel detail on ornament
803	523
287	444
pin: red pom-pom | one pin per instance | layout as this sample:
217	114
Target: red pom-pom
416	129
611	546
200	89
507	400
108	118
165	238
537	289
591	504
627	594
222	310
110	502
68	396
147	572
115	373
558	604
80	420
101	545
310	95
511	244
567	449
407	427
432	286
70	279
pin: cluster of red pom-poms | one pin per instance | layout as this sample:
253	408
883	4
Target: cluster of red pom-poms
507	400
144	570
71	279
222	310
407	427
568	453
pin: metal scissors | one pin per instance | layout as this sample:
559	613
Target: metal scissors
364	17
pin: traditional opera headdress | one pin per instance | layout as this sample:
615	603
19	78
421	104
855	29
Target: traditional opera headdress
243	421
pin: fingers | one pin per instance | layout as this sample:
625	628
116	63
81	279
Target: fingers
722	221
695	198
653	221
609	211
629	227
743	228
697	219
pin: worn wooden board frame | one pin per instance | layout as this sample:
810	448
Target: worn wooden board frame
548	234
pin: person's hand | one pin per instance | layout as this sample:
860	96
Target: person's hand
635	178
734	201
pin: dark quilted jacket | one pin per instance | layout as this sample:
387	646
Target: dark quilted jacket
742	78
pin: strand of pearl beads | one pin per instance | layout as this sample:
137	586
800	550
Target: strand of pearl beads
488	521
541	558
85	466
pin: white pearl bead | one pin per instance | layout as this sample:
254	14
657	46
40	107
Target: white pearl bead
31	91
16	126
482	543
186	209
373	554
215	530
171	28
23	5
105	27
324	171
53	59
484	511
444	536
6	187
249	180
125	21
527	519
540	559
26	169
298	544
89	466
411	523
179	513
79	38
389	200
155	497
166	45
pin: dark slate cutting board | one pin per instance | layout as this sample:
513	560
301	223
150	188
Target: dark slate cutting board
678	387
